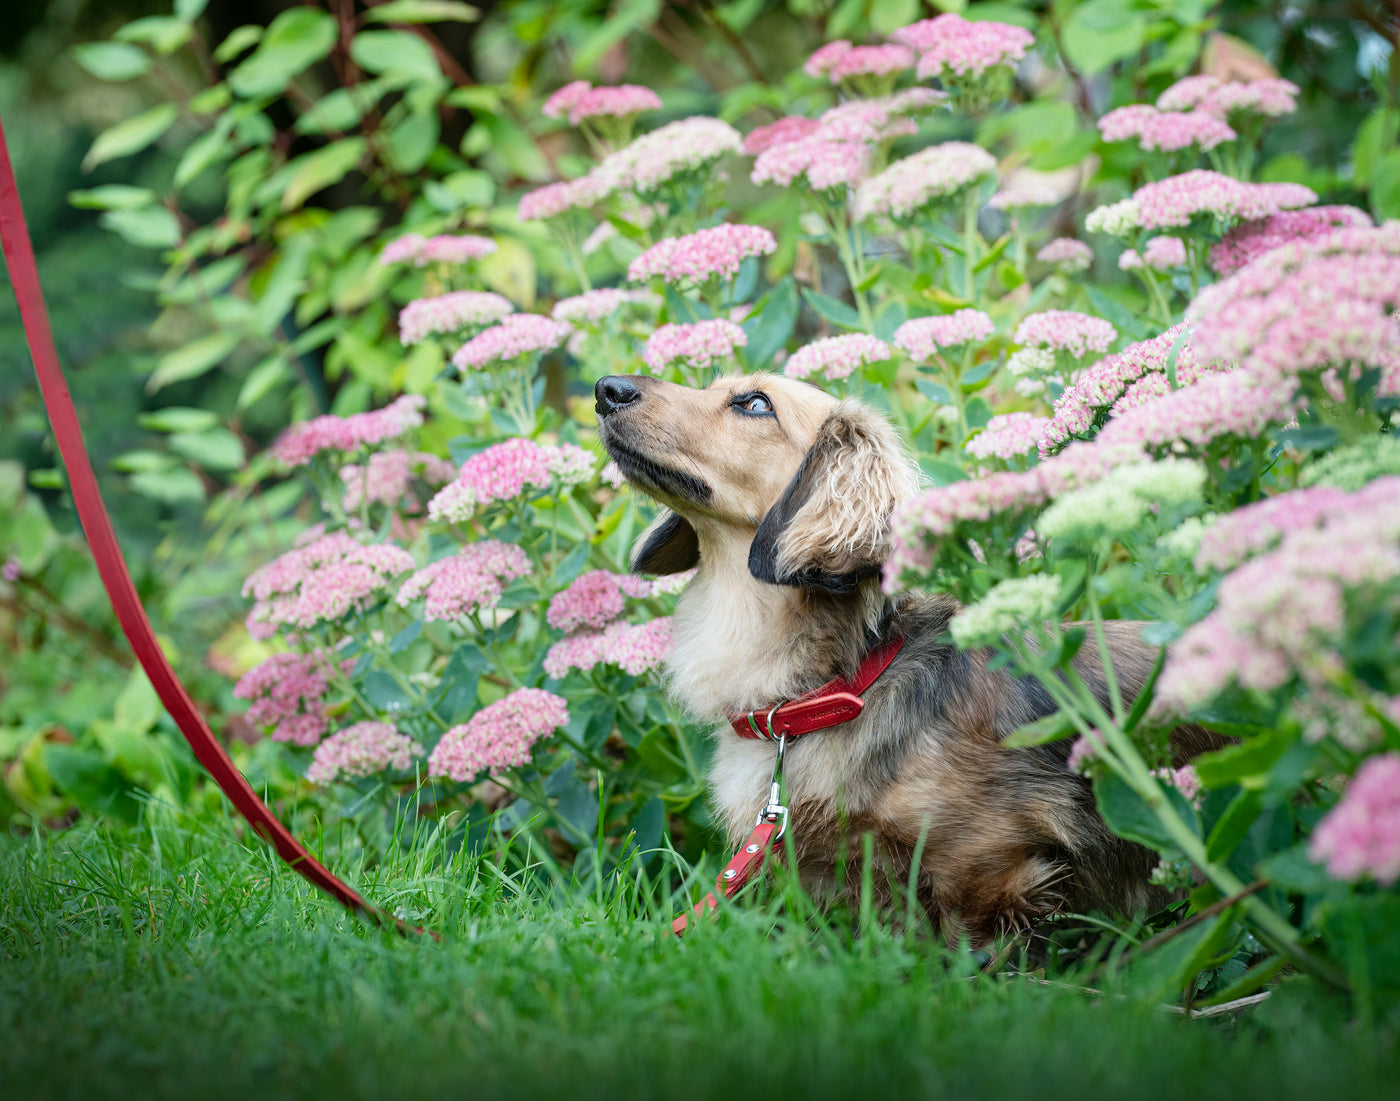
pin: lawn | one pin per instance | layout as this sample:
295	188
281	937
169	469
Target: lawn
176	959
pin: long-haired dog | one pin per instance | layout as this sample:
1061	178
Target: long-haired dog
782	496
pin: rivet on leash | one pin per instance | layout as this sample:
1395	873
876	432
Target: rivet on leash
730	873
751	849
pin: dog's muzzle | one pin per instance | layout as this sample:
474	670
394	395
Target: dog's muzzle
614	392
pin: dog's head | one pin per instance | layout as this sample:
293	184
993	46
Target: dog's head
812	478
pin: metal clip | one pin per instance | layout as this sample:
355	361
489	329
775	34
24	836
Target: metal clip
768	735
775	811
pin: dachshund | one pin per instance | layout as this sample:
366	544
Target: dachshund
780	496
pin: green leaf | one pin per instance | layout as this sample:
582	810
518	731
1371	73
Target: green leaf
1054	727
112	197
570	566
772	327
1309	437
838	313
172	487
261	381
1129	816
935	392
137	707
412	141
319	170
190	10
423	11
193	360
1101	32
298	37
215	449
153	227
143	459
1374	138
1385	187
238	40
112	60
204	151
342	109
162	33
468	189
399	52
1231	827
130	135
178	418
626	17
1246	763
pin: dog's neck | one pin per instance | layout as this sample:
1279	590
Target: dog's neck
741	643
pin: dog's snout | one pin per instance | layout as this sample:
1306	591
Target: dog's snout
614	392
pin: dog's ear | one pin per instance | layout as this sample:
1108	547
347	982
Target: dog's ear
668	546
830	528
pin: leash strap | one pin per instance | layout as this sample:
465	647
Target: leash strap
742	867
835	702
111	565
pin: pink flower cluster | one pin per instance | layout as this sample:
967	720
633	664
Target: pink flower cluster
554	199
928	177
1175	200
879	118
1185	779
286	693
388	476
787	129
697	346
1247	531
593	599
501	735
1360	836
825	57
1067	254
466	582
1159	254
450	313
1270	97
1008	436
634	648
302	442
704	254
921	338
565	99
1028	188
1168	131
1226	404
1325	302
1078	334
592	307
654	159
519	334
836	357
1252	239
1280	614
870	61
446	248
820	164
618	102
951	45
320	583
362	750
503	471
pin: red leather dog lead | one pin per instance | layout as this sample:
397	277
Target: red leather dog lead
111	566
835	702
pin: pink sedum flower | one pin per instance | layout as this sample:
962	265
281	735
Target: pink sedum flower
362	750
387	478
402	249
951	46
518	335
1268	98
620	102
1176	200
708	253
504	471
1166	131
302	442
929	177
464	583
1067	254
1008	436
879	118
565	99
1258	527
679	148
448	248
593	307
836	357
1159	254
1360	836
287	692
593	599
448	314
1252	239
821	62
555	199
500	736
321	582
922	337
787	129
635	649
871	61
815	163
1077	334
697	346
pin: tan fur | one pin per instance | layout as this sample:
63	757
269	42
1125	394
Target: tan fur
789	517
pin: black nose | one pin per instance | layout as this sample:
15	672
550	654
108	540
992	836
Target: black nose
614	392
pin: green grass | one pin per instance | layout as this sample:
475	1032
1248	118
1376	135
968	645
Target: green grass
177	961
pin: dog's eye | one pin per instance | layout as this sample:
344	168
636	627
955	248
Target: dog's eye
756	405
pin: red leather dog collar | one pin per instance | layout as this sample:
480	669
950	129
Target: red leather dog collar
835	702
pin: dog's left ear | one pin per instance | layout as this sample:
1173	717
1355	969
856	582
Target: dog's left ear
830	528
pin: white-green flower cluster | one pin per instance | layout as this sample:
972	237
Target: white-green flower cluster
1009	606
1116	219
1118	504
1184	540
